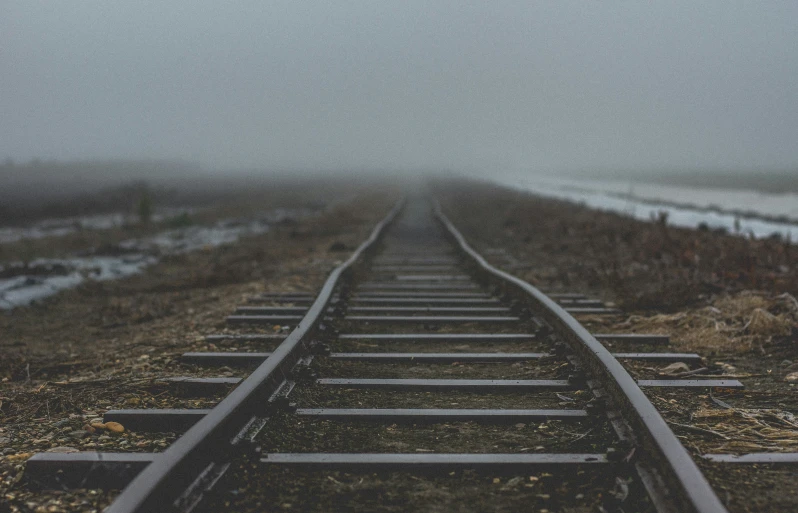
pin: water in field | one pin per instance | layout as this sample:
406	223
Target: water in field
58	227
44	277
747	213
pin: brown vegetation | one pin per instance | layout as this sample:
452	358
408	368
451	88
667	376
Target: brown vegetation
104	345
644	265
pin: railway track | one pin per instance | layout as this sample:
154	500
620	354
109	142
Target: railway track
414	312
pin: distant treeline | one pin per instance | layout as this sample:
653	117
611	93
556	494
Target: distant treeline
773	181
48	181
39	190
123	198
763	180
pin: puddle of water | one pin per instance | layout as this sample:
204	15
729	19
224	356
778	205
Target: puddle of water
48	276
66	225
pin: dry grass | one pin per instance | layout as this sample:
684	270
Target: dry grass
642	265
106	345
749	430
736	323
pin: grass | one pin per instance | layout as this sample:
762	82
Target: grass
643	265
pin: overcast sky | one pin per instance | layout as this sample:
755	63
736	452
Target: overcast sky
403	84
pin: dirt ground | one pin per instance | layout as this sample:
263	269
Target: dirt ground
730	299
105	345
579	490
296	194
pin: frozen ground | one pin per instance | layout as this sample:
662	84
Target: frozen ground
66	225
748	213
44	277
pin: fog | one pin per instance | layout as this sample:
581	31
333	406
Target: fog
487	86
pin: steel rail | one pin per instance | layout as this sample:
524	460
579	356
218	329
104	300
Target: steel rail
161	483
678	484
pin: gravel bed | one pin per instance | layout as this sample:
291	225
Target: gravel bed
107	345
727	298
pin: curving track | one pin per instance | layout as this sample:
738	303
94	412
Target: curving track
417	285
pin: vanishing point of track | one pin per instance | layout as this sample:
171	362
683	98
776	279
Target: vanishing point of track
415	270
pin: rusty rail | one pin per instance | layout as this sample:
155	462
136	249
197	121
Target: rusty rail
670	475
162	482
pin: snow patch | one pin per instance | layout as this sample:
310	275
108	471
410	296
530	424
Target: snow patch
741	212
44	277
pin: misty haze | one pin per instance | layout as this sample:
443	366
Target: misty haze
394	256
